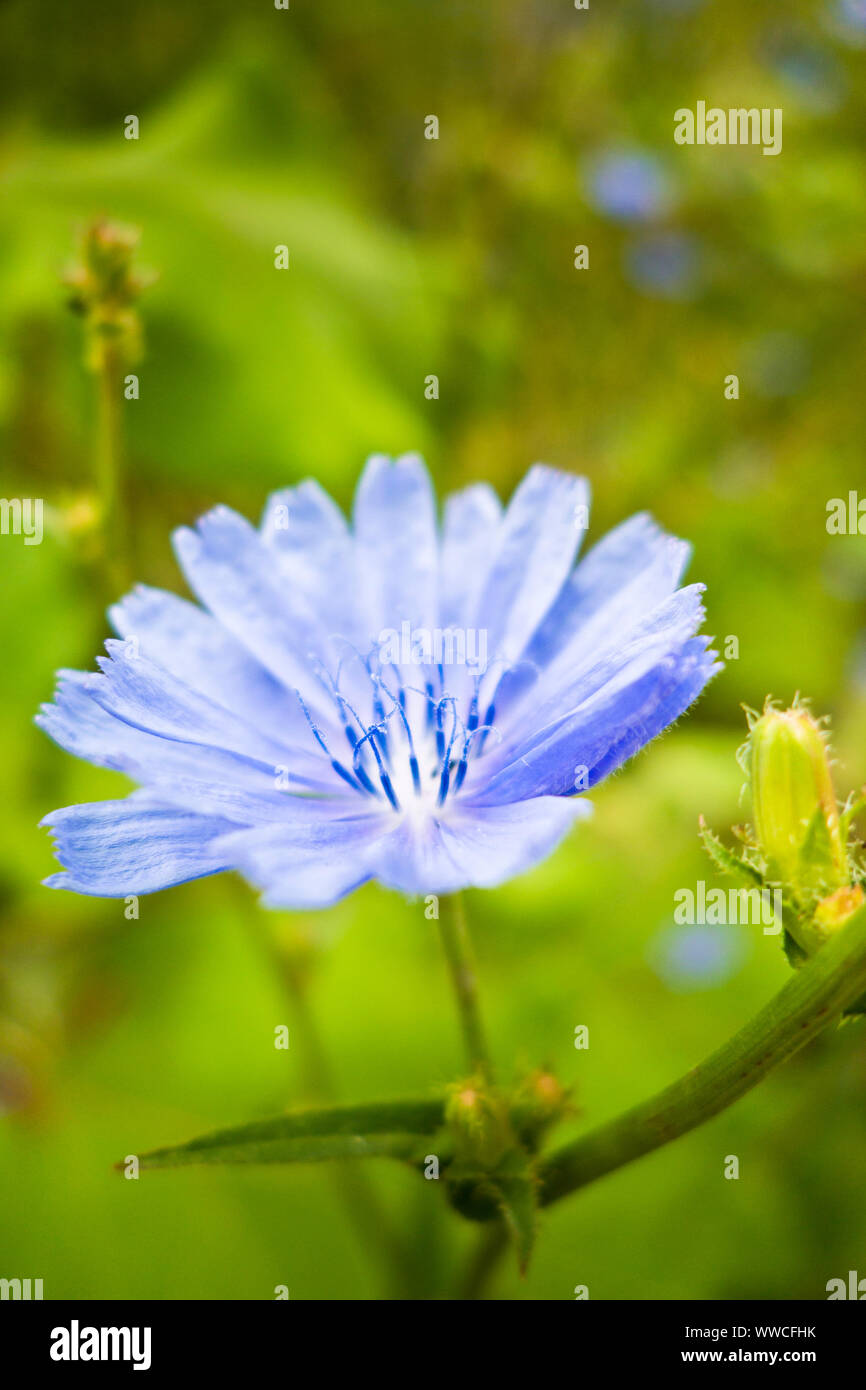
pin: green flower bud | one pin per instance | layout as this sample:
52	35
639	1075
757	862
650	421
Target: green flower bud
104	286
794	810
478	1119
537	1102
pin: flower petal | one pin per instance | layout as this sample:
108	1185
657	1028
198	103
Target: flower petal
536	545
194	647
234	574
622	580
312	861
470	534
475	846
80	724
150	698
586	667
311	539
697	666
397	546
618	719
113	848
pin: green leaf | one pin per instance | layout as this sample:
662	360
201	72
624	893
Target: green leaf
517	1197
850	813
797	957
819	867
506	1192
725	859
383	1129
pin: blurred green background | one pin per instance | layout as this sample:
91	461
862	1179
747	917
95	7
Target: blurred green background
453	257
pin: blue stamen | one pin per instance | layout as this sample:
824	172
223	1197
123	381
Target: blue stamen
320	739
451	771
462	767
440	734
379	718
370	736
333	688
472	723
487	725
431	704
446	765
400	708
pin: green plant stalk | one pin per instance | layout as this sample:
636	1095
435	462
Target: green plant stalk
458	953
354	1190
491	1245
108	479
817	996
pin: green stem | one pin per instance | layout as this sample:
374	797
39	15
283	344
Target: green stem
491	1246
109	471
458	953
817	996
354	1189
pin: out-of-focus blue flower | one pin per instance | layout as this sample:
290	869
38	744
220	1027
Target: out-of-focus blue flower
666	265
304	728
628	185
699	957
847	19
853	12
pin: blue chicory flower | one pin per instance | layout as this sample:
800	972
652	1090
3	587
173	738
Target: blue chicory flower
628	185
388	702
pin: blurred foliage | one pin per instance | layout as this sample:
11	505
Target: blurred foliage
305	127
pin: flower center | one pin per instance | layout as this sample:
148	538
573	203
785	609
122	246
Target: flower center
407	741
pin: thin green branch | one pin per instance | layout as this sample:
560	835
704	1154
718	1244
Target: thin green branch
109	470
458	953
354	1188
817	995
491	1245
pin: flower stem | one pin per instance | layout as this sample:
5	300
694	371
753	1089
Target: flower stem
109	471
458	953
492	1244
817	996
359	1197
104	286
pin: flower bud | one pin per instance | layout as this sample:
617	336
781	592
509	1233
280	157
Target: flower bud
478	1119
794	810
537	1102
104	286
